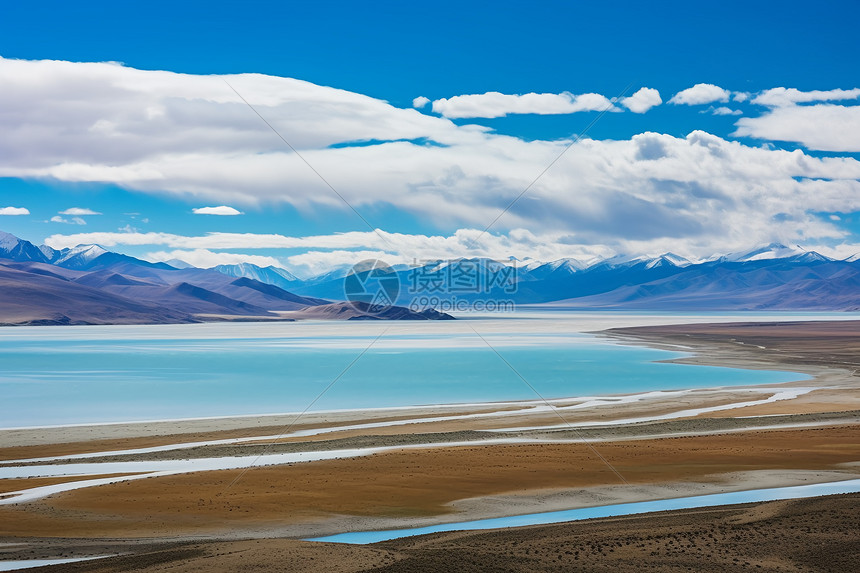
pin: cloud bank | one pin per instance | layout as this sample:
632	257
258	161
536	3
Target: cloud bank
820	126
193	138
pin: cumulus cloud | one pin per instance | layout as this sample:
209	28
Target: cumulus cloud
495	104
723	110
654	192
193	138
823	127
819	126
420	102
14	211
778	97
114	116
701	94
222	210
79	212
643	100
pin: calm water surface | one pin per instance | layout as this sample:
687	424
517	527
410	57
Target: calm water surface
71	375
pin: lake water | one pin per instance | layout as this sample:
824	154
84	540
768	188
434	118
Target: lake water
31	563
756	495
75	375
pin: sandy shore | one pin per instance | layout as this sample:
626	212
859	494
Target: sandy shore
449	463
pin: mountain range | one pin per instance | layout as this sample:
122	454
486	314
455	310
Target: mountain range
91	285
769	277
88	284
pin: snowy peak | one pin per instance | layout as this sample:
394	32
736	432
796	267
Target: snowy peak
810	257
11	247
179	264
8	241
567	265
556	269
50	254
765	252
80	256
269	275
668	260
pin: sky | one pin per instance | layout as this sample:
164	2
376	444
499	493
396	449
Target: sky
312	135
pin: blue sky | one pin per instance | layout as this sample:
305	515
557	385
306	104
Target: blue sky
712	171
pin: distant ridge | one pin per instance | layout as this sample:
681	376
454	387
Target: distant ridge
768	277
89	284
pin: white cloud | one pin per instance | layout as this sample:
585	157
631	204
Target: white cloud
779	97
643	100
223	210
740	97
75	216
114	117
495	104
723	110
701	94
192	138
79	211
14	211
317	262
70	221
820	126
207	259
823	127
420	102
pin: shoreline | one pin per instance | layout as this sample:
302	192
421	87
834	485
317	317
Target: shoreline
711	448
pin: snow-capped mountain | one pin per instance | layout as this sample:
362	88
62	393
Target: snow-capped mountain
90	285
269	275
762	253
79	257
771	276
11	247
670	259
179	264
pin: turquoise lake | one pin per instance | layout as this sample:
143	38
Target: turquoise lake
75	375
